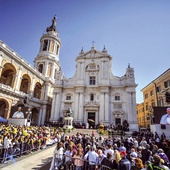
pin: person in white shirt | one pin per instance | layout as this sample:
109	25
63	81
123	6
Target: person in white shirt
18	114
57	160
109	150
165	119
68	155
92	157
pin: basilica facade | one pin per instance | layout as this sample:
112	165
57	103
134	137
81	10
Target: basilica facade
94	93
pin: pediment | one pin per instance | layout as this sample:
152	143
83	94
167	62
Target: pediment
93	54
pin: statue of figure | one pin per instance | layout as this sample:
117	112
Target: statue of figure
29	114
54	22
18	114
53	26
69	112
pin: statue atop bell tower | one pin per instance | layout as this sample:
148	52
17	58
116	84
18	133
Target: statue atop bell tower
53	26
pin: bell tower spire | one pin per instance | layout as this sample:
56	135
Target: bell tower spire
47	60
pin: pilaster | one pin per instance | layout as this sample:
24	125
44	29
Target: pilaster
18	81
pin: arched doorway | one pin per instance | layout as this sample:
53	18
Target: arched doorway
8	75
34	117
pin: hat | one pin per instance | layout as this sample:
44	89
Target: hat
133	155
168	108
123	153
160	150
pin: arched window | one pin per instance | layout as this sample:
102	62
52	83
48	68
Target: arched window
8	75
40	68
45	45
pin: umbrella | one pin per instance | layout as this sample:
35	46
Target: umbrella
3	119
91	120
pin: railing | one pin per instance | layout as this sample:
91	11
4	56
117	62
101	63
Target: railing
10	89
10	153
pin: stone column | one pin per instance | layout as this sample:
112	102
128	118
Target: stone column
53	107
32	86
129	101
82	71
18	80
1	68
97	117
106	106
81	109
43	114
45	69
57	106
40	116
76	106
52	71
102	111
1	58
46	91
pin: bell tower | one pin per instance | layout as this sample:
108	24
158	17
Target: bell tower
47	60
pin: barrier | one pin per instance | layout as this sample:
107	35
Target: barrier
10	153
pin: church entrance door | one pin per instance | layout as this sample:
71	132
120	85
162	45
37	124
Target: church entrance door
117	121
91	119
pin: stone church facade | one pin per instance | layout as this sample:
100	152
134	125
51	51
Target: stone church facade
92	93
95	93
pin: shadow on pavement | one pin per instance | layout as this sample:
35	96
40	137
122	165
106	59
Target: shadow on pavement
45	165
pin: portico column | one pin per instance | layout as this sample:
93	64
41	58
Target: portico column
40	116
53	113
18	81
43	114
32	86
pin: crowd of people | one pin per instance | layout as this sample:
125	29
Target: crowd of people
16	140
147	151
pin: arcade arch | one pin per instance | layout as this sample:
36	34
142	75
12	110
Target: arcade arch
37	90
4	111
25	84
8	75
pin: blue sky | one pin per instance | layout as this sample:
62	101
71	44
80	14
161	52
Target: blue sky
133	31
